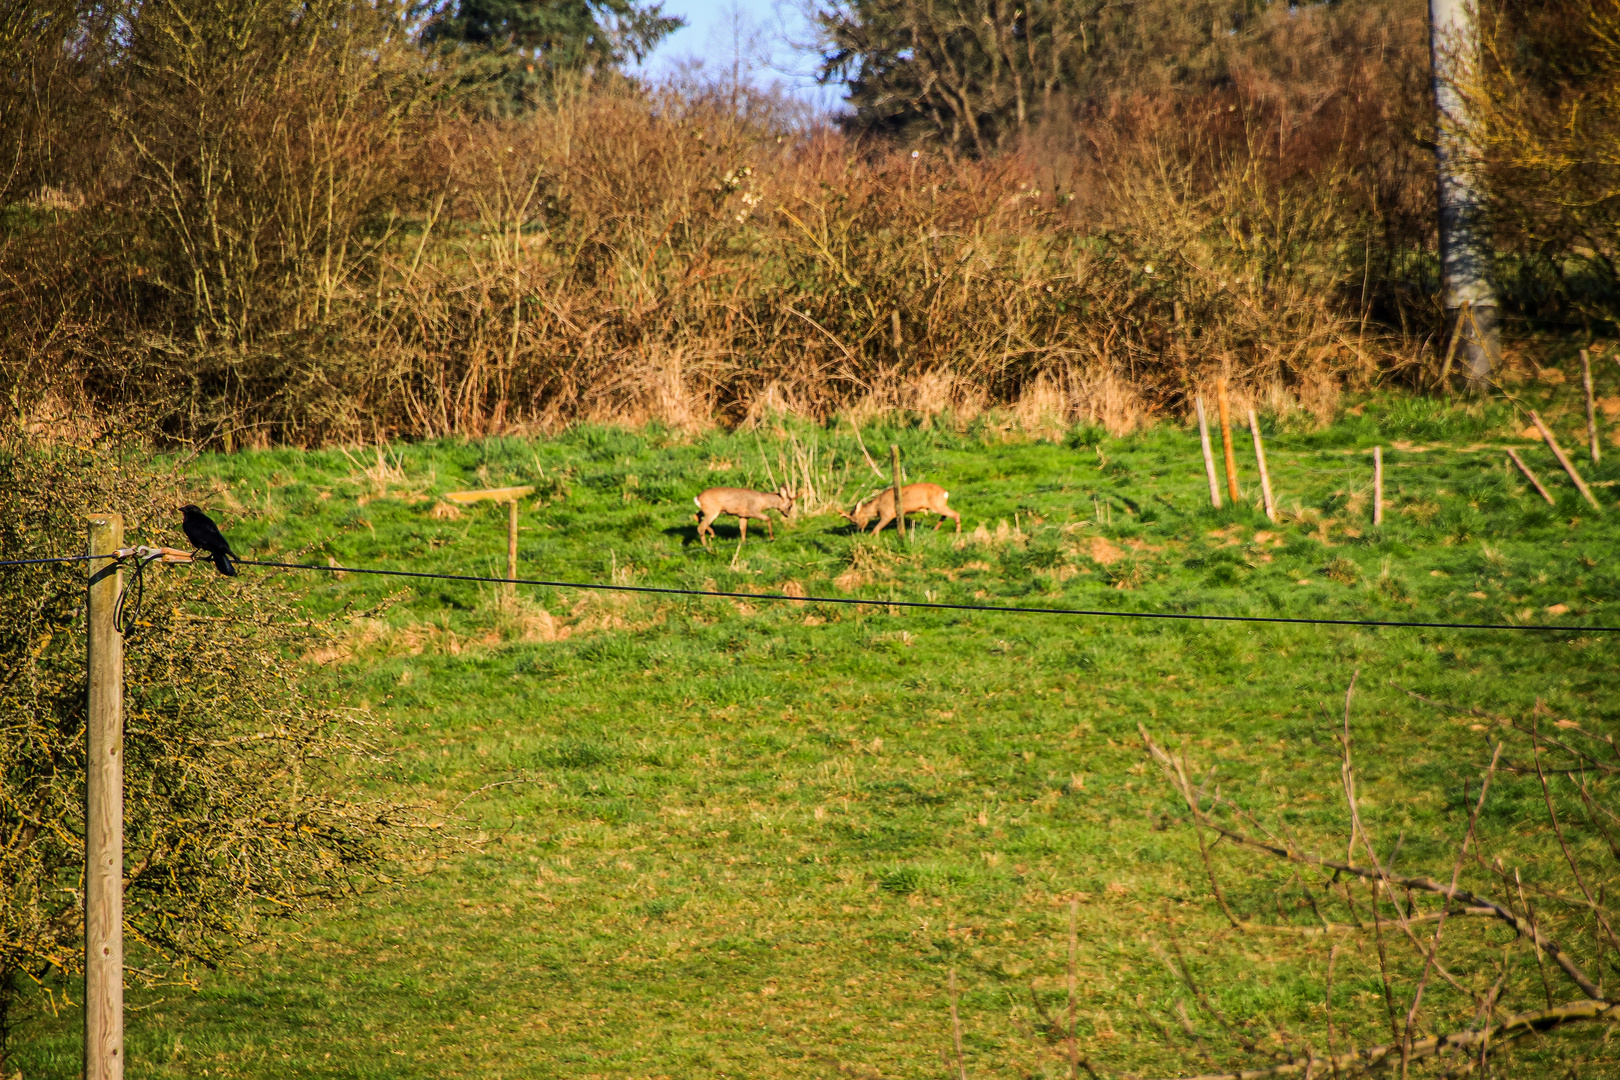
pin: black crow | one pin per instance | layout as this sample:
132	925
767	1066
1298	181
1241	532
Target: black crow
205	535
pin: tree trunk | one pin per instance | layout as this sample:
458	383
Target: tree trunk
1464	252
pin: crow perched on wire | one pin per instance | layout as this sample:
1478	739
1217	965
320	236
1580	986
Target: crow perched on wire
205	535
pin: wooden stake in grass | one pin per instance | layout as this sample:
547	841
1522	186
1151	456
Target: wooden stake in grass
1226	438
1569	467
899	504
1530	476
1265	474
1378	485
1209	454
1591	407
956	1031
511	550
510	496
104	811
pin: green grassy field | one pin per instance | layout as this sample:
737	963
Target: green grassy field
753	839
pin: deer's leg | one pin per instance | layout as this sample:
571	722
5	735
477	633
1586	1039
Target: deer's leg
742	523
769	532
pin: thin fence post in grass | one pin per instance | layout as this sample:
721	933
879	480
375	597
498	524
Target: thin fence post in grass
1378	485
956	1031
1209	454
510	496
1591	407
1265	474
1563	459
1514	457
1226	438
511	549
899	504
104	810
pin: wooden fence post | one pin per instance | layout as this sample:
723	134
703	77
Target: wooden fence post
1209	454
104	811
899	504
1591	407
1265	474
1226	439
1530	476
511	549
1378	485
1569	467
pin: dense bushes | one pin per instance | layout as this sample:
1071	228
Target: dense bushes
292	228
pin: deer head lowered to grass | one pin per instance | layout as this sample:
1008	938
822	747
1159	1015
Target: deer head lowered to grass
914	498
742	504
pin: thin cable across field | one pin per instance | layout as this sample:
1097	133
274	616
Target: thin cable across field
56	559
927	604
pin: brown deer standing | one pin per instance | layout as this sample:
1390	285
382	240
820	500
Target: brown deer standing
741	504
916	498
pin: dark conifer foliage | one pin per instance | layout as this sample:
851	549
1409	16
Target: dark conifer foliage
523	46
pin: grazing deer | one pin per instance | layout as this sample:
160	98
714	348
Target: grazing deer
916	498
742	504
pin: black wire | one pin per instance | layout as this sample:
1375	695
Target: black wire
60	558
124	620
854	601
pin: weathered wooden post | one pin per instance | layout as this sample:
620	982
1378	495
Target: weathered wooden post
1226	439
1530	476
1563	459
1591	407
1378	485
1209	455
899	503
1265	474
104	810
510	497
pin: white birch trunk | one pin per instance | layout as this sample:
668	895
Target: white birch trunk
1465	257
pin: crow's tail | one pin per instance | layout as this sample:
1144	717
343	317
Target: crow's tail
222	563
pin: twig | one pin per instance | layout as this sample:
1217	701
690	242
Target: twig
862	445
1558	831
487	787
1464	897
1434	943
1519	1024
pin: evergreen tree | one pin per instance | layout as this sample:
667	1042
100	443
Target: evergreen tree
520	47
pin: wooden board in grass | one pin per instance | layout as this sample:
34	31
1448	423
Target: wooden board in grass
510	497
510	494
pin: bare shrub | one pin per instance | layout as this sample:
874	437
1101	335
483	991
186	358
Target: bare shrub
1411	962
341	252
